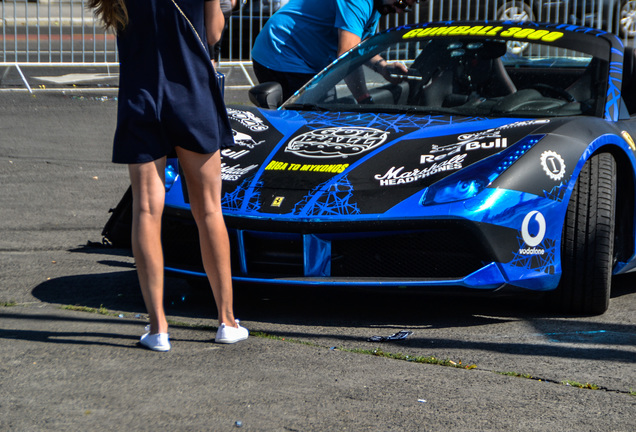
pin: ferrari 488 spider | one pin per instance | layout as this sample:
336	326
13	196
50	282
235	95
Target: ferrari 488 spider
474	167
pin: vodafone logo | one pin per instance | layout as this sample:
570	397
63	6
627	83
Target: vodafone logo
535	237
529	239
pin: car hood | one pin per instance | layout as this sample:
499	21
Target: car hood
302	162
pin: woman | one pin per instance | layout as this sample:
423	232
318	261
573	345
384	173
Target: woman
169	101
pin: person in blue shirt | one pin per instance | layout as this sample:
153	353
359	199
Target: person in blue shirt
170	103
305	36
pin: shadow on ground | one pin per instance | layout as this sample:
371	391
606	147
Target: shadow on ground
321	313
341	306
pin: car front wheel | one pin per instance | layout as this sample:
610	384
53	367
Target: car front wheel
587	256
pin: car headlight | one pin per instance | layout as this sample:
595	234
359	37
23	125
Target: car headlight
172	172
460	190
473	179
456	188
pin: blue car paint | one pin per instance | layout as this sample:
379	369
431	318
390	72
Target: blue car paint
498	206
493	275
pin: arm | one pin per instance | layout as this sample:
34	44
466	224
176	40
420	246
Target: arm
214	21
346	41
355	80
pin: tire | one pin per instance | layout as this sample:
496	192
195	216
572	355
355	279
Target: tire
587	250
627	19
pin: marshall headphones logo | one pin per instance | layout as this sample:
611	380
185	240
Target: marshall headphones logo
336	142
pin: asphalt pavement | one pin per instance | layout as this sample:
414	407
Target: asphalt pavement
71	315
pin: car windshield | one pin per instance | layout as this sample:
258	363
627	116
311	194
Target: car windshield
464	75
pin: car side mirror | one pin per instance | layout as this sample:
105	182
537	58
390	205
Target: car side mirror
267	95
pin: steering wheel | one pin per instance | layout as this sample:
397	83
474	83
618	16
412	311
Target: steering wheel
548	90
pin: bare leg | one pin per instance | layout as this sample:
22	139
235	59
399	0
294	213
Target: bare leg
148	188
203	176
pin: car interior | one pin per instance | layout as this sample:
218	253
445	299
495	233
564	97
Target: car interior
485	78
628	90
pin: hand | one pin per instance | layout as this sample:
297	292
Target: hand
365	100
392	72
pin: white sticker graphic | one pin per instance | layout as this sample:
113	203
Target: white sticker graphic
396	176
553	165
529	239
233	173
336	142
244	140
247	119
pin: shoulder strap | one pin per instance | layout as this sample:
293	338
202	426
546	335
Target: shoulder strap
190	23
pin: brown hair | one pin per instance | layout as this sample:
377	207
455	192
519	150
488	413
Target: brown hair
112	12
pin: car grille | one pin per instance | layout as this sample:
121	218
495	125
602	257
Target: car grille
427	254
180	241
451	252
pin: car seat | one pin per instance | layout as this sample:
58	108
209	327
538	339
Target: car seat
585	85
482	71
464	70
628	86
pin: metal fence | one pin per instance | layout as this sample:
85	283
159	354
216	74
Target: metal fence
65	32
618	16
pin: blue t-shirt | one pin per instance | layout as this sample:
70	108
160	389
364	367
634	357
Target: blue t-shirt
302	37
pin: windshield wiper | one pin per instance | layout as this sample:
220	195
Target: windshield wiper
306	107
420	110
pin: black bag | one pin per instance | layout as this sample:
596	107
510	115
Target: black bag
118	229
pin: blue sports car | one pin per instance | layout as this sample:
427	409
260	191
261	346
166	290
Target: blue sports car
469	166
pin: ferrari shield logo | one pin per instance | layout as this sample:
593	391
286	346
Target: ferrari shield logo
278	201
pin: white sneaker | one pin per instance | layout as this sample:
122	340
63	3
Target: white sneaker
156	342
228	335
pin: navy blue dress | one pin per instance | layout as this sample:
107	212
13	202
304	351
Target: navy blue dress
168	92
